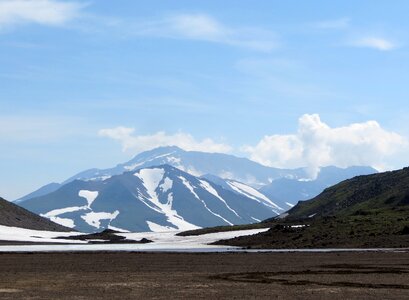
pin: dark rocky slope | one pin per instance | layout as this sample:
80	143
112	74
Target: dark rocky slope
16	216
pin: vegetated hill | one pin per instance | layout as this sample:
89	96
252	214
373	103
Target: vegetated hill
365	211
158	198
362	195
15	216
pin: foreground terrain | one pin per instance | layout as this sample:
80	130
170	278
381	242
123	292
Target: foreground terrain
122	275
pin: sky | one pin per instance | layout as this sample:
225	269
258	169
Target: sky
87	84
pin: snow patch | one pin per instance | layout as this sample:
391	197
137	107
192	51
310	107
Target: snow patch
133	167
60	211
289	204
166	185
63	221
94	218
89	195
117	229
158	228
298	226
151	179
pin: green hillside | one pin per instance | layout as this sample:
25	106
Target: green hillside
365	211
383	193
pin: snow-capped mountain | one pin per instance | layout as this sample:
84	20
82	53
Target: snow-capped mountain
193	162
150	199
197	164
284	187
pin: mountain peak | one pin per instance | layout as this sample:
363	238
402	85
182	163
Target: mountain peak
162	149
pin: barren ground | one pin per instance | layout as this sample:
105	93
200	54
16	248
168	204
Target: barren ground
122	275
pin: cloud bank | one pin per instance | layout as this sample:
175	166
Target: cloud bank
44	12
316	144
139	143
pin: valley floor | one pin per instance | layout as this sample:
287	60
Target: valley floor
122	275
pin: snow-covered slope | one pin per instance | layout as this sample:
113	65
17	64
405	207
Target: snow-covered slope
247	191
159	198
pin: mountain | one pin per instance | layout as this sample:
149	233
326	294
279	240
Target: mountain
284	187
196	163
15	216
193	162
149	199
370	211
289	191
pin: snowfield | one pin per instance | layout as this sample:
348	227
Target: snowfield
162	241
27	235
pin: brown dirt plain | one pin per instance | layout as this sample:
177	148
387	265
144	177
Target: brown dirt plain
121	275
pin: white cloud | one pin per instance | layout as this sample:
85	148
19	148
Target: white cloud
316	144
375	43
140	143
206	28
45	12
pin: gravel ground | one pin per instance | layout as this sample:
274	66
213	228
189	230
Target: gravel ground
121	275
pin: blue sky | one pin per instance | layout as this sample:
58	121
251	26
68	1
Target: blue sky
286	83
